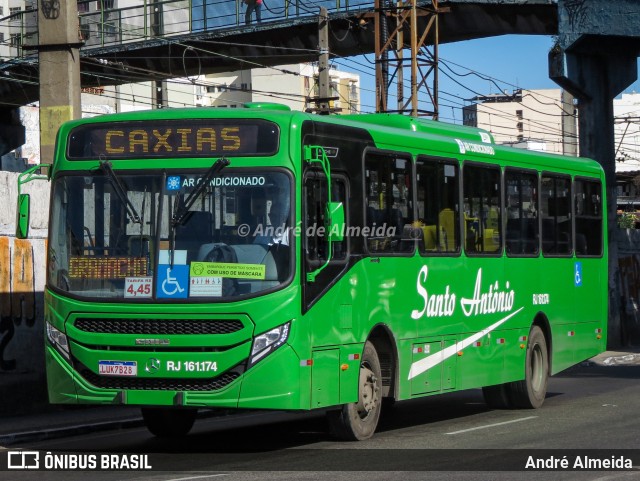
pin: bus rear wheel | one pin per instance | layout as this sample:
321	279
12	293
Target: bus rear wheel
169	422
531	391
358	421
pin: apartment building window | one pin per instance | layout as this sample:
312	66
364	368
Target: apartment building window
244	87
83	6
14	10
105	4
1	34
1	10
519	114
519	126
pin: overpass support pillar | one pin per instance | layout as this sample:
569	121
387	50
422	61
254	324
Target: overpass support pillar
595	75
59	59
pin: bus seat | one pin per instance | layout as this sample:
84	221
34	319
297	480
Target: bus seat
446	219
429	237
492	219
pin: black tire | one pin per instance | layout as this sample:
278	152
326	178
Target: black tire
530	392
169	422
497	397
358	421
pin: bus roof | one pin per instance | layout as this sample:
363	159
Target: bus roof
388	131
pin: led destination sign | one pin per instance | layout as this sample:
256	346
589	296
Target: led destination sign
84	267
175	138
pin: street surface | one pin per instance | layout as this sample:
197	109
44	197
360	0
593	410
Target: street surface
590	411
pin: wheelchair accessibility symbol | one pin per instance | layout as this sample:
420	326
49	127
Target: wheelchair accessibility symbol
578	274
172	282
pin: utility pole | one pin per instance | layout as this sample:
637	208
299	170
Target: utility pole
59	60
322	101
420	25
160	92
569	127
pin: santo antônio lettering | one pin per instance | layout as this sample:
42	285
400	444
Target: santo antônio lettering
191	140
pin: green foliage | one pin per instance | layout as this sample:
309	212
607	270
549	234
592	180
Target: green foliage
627	220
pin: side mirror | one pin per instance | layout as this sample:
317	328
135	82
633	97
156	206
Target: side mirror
22	220
335	212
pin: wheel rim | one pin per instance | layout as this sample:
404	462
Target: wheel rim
368	397
537	368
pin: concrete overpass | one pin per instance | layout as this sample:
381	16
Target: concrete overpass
214	38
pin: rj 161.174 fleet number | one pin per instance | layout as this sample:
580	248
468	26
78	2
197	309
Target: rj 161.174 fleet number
192	366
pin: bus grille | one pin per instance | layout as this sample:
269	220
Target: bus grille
158	326
159	384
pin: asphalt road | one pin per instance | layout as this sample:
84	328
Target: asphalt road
590	416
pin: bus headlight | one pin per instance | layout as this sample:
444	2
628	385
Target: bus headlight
268	342
59	340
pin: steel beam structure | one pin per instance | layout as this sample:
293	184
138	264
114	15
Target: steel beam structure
393	24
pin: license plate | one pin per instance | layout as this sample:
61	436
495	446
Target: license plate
118	368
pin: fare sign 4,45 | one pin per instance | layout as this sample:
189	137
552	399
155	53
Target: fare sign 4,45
137	287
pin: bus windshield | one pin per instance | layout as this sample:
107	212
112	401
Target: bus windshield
132	235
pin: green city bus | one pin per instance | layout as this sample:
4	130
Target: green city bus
260	258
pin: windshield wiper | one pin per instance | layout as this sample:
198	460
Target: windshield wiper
132	213
181	212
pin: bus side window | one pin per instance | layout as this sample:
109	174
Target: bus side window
437	208
588	217
555	209
388	201
482	212
521	230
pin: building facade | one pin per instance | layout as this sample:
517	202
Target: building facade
293	85
525	118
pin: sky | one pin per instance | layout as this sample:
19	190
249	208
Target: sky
513	61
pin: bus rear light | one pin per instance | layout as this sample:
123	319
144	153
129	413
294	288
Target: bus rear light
268	342
501	340
571	333
59	340
354	357
306	362
522	338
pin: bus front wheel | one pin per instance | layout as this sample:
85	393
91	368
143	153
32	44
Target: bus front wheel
531	391
358	421
169	422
